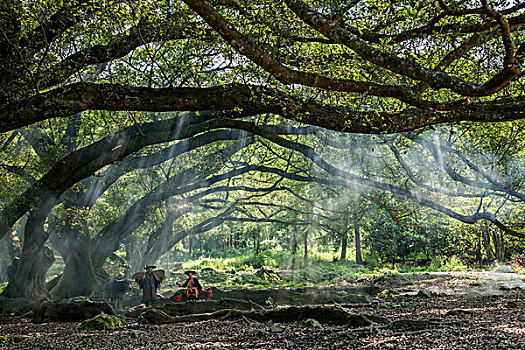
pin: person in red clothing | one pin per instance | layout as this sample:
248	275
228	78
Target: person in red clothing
193	285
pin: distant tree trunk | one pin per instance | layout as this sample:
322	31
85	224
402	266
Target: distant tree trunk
487	244
344	245
236	238
225	245
499	245
478	247
294	242
305	243
257	242
358	255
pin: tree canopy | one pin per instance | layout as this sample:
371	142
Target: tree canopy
353	66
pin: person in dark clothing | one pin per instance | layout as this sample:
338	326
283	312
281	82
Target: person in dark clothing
193	285
149	282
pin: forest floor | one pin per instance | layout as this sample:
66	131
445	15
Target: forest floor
451	310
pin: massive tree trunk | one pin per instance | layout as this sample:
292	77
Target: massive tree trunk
78	278
8	253
29	281
28	275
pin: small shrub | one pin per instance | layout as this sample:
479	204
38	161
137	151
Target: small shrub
435	264
453	264
266	258
371	260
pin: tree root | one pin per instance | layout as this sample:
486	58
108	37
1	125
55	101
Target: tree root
324	314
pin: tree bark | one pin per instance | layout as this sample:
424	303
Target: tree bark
5	249
78	278
29	272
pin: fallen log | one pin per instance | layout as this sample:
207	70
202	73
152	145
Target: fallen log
69	312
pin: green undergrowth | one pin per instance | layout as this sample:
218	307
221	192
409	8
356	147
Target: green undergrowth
296	271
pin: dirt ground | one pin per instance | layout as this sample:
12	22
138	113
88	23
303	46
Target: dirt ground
426	311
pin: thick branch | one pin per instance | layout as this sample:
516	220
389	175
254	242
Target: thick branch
289	76
74	98
86	161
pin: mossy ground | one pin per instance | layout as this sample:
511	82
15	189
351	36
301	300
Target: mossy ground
100	322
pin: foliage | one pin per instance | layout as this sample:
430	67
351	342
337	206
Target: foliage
391	241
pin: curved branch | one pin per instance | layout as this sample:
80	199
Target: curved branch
86	161
413	178
290	76
510	49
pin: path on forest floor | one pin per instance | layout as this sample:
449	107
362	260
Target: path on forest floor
462	283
